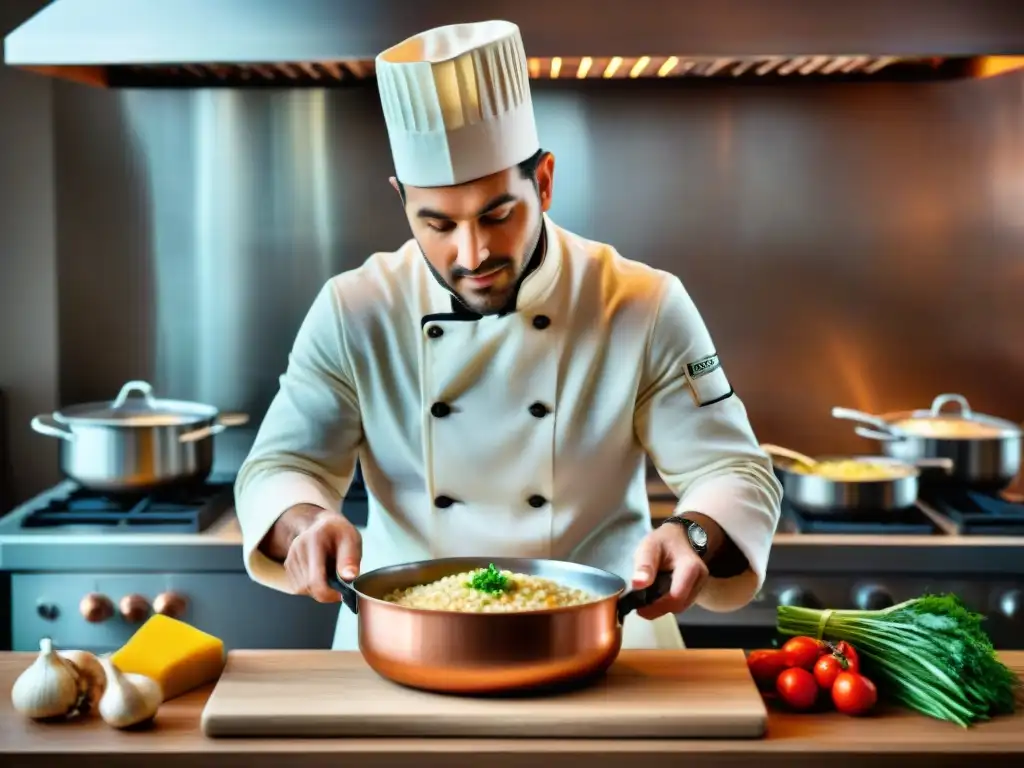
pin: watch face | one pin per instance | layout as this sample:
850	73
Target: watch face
698	536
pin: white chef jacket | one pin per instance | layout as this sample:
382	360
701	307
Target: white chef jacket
522	434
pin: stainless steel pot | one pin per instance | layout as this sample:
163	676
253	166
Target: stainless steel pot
985	450
482	653
136	443
886	485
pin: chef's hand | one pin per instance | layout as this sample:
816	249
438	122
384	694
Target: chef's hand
307	538
667	548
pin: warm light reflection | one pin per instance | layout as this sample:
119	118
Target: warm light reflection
584	67
640	66
613	66
990	66
850	362
668	66
556	66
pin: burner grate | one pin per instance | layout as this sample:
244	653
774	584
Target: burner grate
976	512
174	510
906	522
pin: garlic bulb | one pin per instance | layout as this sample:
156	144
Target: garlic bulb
48	688
92	678
129	698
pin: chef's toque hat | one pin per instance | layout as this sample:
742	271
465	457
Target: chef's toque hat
457	103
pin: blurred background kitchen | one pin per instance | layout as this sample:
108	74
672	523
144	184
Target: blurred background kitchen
850	225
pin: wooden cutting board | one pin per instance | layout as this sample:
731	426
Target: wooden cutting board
646	694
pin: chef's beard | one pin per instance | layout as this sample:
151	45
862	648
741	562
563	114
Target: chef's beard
493	303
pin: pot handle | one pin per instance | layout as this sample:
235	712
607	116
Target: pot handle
881	425
640	598
348	595
777	451
884	437
945	464
939	402
224	421
45	424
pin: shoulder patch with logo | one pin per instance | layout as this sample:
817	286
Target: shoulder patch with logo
708	382
703	367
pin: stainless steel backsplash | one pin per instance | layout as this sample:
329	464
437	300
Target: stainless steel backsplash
858	245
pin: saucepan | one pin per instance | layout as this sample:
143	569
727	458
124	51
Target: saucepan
833	485
444	647
985	450
136	442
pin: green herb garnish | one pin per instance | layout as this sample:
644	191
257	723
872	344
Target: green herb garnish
930	653
490	580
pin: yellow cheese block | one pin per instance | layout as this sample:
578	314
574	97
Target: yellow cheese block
175	654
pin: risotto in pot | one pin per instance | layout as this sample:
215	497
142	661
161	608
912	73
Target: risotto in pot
489	590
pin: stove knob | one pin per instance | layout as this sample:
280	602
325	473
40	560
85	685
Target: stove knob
134	608
872	598
170	604
798	598
96	608
1009	604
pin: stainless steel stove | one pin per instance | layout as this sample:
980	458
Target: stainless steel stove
86	569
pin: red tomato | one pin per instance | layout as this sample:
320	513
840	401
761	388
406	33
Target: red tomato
797	688
803	652
765	666
853	694
826	669
848	652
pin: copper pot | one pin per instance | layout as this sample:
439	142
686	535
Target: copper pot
479	653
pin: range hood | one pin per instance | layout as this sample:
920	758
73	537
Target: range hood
332	43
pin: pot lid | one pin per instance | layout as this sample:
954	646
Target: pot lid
135	406
964	423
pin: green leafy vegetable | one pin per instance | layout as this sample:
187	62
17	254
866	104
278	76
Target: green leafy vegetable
490	580
930	654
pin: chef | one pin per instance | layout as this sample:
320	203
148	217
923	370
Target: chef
501	380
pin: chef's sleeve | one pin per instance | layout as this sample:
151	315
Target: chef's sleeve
306	448
696	431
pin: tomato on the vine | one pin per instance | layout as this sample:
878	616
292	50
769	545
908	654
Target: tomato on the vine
765	666
848	652
803	652
853	694
826	669
797	688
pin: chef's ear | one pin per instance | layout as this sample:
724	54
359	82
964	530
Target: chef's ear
546	180
398	188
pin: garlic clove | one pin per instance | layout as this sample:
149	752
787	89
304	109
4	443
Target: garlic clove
129	698
92	678
49	688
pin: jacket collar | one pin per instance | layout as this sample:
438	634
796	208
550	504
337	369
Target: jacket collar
538	283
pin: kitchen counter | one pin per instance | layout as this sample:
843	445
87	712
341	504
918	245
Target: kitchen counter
891	737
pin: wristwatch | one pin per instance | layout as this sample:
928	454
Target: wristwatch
695	534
